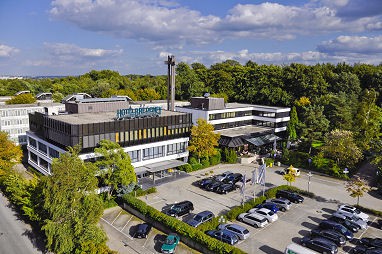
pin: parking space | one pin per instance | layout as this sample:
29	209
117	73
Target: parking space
291	225
120	227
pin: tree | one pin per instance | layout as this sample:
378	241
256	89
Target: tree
25	98
340	146
357	187
115	164
73	208
290	177
203	139
293	124
10	154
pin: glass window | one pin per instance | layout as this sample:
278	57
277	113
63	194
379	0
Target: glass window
32	142
53	153
134	155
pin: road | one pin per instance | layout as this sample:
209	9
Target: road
14	234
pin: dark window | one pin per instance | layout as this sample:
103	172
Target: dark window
42	148
32	142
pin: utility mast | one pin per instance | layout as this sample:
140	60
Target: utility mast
170	83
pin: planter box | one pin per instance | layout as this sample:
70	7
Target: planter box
247	160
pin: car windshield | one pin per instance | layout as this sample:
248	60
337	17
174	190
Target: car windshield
176	208
357	211
170	241
342	229
270	213
198	218
245	231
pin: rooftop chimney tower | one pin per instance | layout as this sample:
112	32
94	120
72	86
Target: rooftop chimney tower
170	83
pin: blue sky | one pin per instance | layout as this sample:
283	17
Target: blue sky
72	37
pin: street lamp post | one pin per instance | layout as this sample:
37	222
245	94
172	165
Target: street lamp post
309	176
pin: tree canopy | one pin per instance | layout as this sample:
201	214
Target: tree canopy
203	139
25	98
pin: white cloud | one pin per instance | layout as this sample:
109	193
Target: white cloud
7	51
71	50
352	44
169	25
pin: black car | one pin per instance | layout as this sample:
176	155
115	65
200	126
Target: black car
234	178
180	209
361	249
204	182
328	224
330	234
142	230
213	186
291	196
225	188
353	227
320	244
371	242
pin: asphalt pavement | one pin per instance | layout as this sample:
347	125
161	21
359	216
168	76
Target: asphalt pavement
15	236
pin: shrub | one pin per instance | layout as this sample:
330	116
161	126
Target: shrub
186	168
216	159
205	162
229	155
369	210
193	160
268	161
237	210
139	192
196	166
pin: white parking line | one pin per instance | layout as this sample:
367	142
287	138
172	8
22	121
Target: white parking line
116	217
126	223
159	201
367	228
117	229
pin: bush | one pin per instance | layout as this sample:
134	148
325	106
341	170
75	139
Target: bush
193	160
139	192
268	161
205	162
216	159
186	168
237	210
196	166
369	210
229	155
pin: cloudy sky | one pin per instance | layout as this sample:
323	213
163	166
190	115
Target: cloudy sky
72	37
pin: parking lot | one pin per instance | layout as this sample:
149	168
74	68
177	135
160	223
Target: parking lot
120	226
291	226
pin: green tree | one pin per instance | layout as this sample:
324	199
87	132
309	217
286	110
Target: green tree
57	97
340	146
357	187
115	164
25	98
187	82
10	154
203	139
293	124
72	206
368	120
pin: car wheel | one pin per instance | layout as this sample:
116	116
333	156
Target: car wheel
324	252
283	209
303	244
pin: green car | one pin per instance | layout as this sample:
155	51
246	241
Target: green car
170	244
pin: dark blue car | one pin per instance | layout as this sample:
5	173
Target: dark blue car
269	206
328	224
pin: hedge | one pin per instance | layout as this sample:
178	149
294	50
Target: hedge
180	227
369	210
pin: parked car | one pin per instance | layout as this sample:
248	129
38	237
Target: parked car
291	196
270	206
223	176
328	224
180	209
294	248
213	186
234	178
169	245
200	218
320	244
225	188
142	230
330	234
268	214
282	203
351	210
238	230
361	249
255	220
204	182
358	221
224	236
346	223
371	242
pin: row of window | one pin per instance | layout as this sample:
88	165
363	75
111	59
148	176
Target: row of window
148	133
43	148
226	115
158	151
19	112
16	130
14	122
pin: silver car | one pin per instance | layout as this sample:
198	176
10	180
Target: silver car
361	223
255	220
223	176
238	230
282	203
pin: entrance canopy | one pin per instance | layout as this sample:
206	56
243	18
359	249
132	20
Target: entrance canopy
231	142
263	140
159	166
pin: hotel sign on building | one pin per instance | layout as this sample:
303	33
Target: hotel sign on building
131	113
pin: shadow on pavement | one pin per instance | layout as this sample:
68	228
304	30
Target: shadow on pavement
296	240
315	219
269	250
308	225
37	242
327	210
304	232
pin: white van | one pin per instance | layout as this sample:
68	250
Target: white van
297	249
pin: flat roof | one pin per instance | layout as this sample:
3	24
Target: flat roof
99	117
242	131
42	105
234	105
